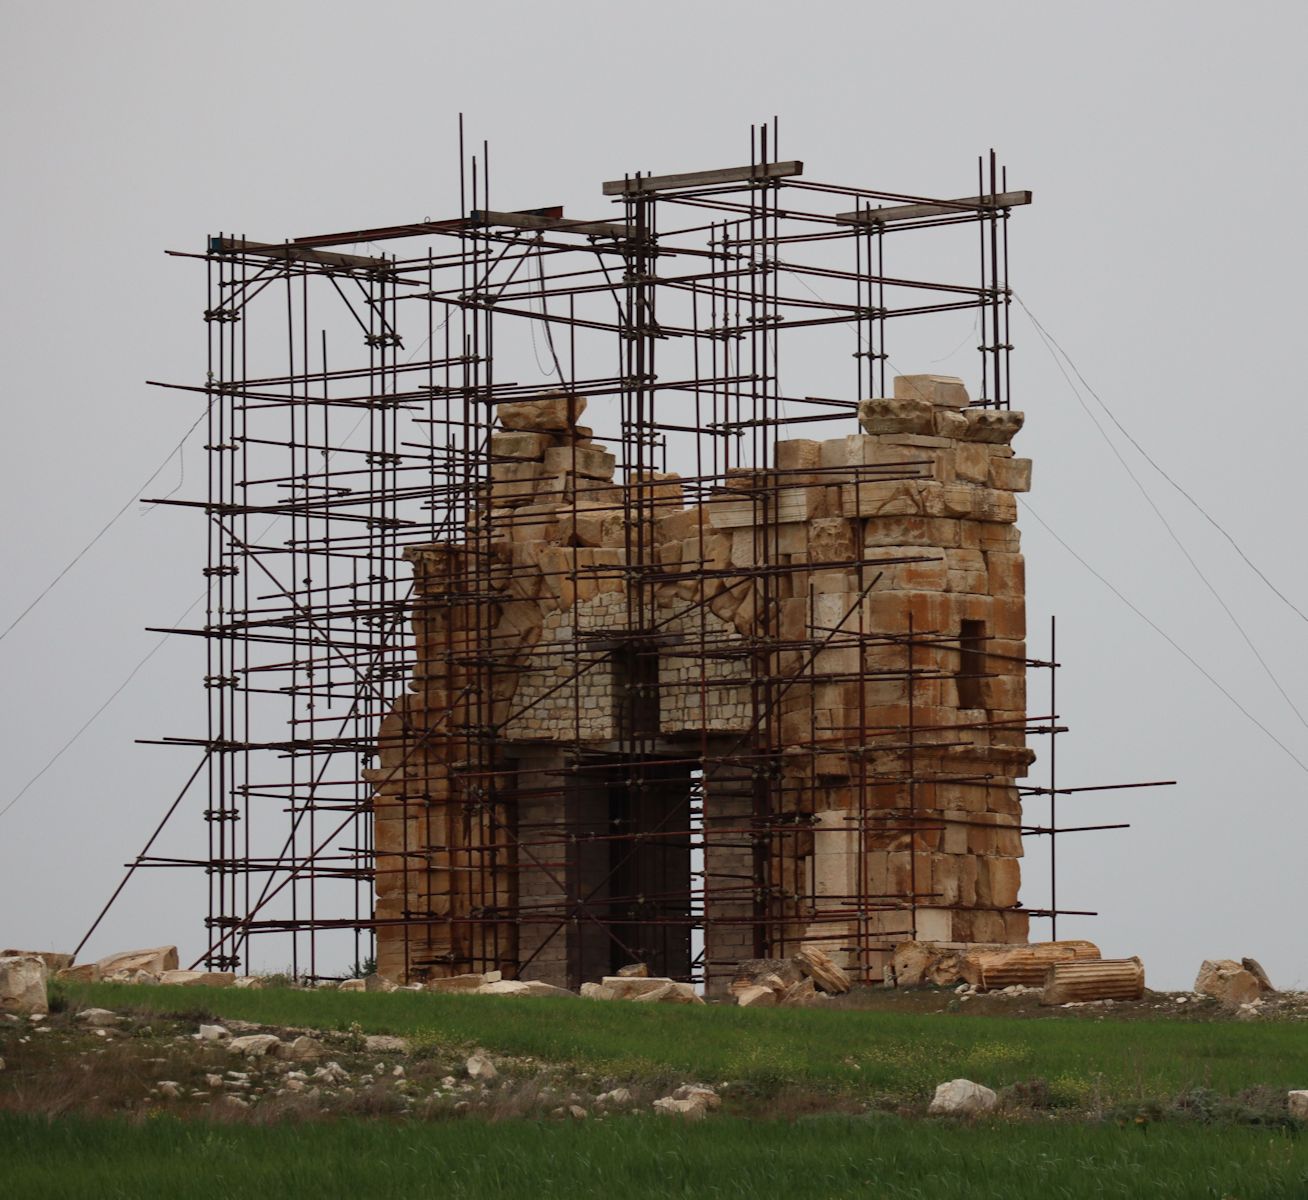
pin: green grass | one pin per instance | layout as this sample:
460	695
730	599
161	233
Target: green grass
1087	1064
638	1157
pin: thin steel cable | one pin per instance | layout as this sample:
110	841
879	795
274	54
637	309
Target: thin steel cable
1199	508
136	495
1171	641
1167	525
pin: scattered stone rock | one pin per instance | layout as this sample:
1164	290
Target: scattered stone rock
522	987
155	962
254	1045
385	1043
799	995
597	991
211	1033
634	971
248	981
199	978
353	985
2	1064
481	1067
1255	968
460	983
53	961
170	1088
82	973
378	983
823	970
98	1018
751	971
1227	981
547	414
756	995
692	1102
616	1097
332	1073
1298	1104
962	1097
302	1049
577	1112
669	992
22	984
236	1103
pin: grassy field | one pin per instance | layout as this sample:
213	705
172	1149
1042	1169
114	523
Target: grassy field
1090	1065
636	1157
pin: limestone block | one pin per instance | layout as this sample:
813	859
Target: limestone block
895	498
520	445
1297	1104
156	961
22	984
1006	574
997	426
947	423
832	539
1227	981
926	571
962	1098
967	571
972	462
895	415
1079	980
976	503
817	965
911	531
1010	474
664	488
52	958
799	454
585	461
546	414
81	973
944	390
746	548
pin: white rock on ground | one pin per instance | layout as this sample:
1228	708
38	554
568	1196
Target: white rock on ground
1298	1102
211	1033
333	1072
1226	980
692	1101
481	1067
254	1045
962	1097
156	961
302	1049
170	1088
384	1043
98	1018
22	984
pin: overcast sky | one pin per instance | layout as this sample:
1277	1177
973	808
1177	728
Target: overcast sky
1165	252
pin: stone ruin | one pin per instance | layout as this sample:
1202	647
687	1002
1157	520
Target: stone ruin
784	705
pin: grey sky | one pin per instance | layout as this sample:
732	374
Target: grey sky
1164	251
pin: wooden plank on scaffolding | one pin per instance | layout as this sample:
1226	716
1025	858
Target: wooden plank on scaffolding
960	207
293	253
551	220
757	173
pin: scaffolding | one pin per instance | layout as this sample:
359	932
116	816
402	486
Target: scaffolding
351	403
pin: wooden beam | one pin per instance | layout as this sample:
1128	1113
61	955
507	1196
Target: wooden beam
294	253
960	207
669	183
550	219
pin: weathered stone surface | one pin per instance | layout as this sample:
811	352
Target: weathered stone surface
53	960
22	984
156	961
752	971
301	1049
691	1101
1255	968
1227	981
1297	1103
1026	966
825	972
799	995
547	414
81	973
211	1033
99	1018
996	426
962	1098
353	985
945	390
597	991
634	971
199	978
459	983
1078	981
896	415
254	1045
385	1043
479	1066
756	996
